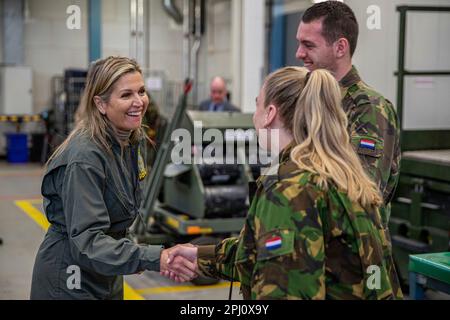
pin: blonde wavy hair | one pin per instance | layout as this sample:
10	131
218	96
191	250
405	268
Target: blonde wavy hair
319	126
102	76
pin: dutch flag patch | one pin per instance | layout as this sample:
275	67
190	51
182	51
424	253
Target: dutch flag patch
274	243
367	144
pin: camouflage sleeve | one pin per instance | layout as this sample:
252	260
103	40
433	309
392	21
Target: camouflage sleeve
375	134
233	258
290	260
218	261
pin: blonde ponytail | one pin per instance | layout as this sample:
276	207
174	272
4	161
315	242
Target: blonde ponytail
324	148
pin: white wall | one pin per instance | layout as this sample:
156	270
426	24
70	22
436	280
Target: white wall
166	45
426	100
1	34
50	47
115	28
253	47
217	49
166	42
247	51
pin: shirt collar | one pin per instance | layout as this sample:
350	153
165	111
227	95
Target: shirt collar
351	78
276	172
114	140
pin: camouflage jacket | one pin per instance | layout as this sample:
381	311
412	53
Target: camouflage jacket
375	132
300	242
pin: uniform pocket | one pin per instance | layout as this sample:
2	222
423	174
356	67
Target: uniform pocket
368	145
275	244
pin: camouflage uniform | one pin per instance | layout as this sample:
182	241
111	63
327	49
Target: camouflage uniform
375	132
300	242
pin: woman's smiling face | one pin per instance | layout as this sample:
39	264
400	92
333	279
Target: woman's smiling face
128	102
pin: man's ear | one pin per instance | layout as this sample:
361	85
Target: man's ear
271	115
100	105
341	48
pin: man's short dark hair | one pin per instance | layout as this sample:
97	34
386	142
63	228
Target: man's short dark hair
338	21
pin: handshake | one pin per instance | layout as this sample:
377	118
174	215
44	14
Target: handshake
179	263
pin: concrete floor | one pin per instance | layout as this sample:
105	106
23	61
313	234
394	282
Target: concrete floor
22	236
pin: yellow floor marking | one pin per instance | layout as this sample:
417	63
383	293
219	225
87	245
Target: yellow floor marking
131	294
27	207
33	213
163	290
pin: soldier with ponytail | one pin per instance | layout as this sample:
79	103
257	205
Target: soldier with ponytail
314	229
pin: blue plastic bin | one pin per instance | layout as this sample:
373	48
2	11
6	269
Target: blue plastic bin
17	147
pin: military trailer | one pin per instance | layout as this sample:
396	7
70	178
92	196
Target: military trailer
203	196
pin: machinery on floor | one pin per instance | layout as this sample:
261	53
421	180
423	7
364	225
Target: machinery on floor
200	200
420	220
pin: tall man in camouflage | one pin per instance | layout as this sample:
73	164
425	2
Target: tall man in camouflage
327	36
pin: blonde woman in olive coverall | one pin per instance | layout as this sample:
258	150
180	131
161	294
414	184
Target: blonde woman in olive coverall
92	192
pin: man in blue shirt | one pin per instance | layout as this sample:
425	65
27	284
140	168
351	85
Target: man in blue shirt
218	98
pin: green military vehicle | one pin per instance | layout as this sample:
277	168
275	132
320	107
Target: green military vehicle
199	198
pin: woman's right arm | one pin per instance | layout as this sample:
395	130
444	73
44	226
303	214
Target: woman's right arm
87	222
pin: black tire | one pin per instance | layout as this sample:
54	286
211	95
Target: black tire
202	241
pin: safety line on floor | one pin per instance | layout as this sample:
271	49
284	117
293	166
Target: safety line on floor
164	290
33	213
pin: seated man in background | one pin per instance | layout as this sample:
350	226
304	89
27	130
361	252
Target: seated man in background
218	101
